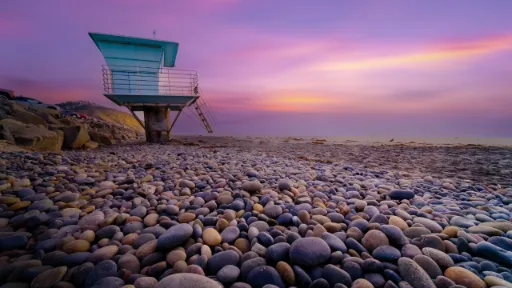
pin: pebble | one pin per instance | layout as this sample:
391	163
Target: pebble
411	272
174	237
187	280
264	275
374	239
49	277
211	237
309	252
154	216
464	277
228	274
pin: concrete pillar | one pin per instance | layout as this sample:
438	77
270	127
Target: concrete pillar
157	124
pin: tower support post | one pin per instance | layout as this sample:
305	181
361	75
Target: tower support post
157	125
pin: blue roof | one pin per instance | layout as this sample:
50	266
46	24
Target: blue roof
118	49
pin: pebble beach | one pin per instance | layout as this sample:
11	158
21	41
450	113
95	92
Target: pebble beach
208	212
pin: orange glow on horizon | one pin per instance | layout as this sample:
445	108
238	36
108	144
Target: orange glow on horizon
454	51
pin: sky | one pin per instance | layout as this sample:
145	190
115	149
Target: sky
308	68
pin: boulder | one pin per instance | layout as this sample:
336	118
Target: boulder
91	145
102	138
20	113
49	119
6	135
75	137
35	137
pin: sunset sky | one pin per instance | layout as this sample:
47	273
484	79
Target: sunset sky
267	67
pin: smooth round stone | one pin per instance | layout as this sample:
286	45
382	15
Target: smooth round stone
243	245
376	279
464	277
334	242
302	278
211	237
221	259
320	283
429	224
462	222
278	252
145	282
504	226
230	234
104	253
386	253
187	280
495	281
101	270
139	211
398	222
265	239
132	227
401	194
49	277
252	186
174	237
75	259
353	269
362	283
273	211
411	272
129	262
395	235
451	231
501	242
186	217
433	241
111	282
228	274
143	239
284	185
250	264
264	275
87	235
360	224
494	253
286	272
442	259
335	275
76	246
373	239
151	220
443	282
429	266
260	225
309	252
187	183
416	232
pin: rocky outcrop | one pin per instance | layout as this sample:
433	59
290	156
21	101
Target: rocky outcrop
75	136
103	138
16	111
5	134
39	131
34	137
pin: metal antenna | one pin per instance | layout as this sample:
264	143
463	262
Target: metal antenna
154	34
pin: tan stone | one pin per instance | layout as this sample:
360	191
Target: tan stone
464	277
398	222
211	237
451	231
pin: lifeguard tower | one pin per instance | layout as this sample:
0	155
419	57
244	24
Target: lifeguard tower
140	75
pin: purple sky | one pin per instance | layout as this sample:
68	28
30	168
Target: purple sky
266	67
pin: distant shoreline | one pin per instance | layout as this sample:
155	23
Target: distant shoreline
379	140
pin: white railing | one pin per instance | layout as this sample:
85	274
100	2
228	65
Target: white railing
139	80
